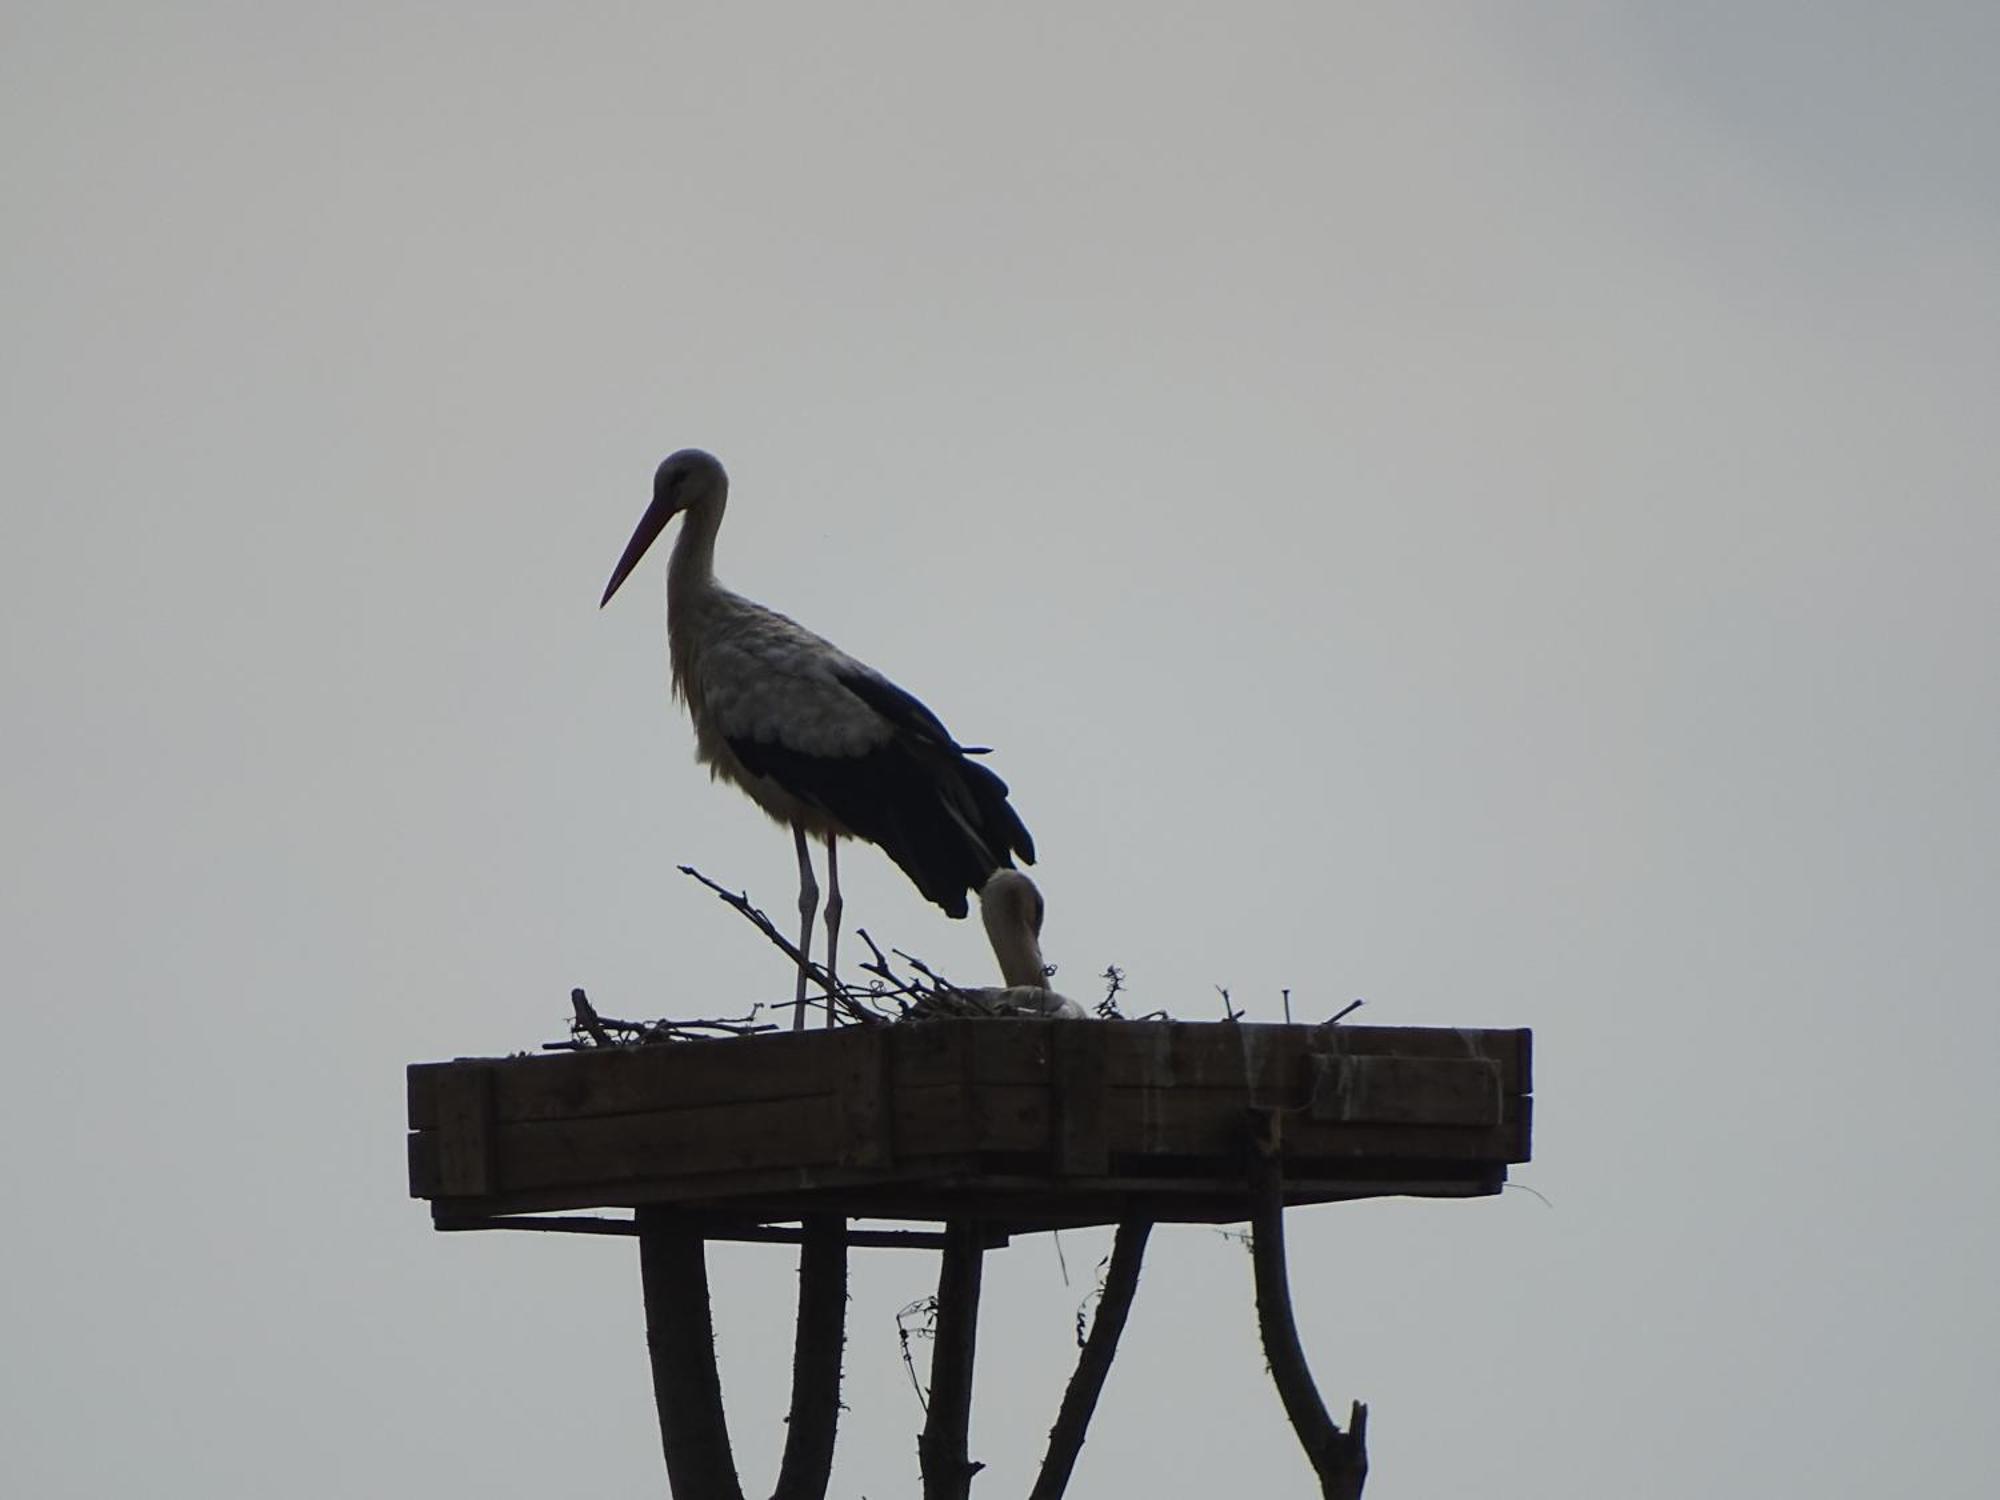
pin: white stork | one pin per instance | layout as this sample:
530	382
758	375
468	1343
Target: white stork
1012	910
817	739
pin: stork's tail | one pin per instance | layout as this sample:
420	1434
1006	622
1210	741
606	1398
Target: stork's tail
951	844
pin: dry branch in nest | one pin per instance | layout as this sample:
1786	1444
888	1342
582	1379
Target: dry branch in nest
588	1029
913	992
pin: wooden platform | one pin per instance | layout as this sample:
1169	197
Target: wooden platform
1026	1125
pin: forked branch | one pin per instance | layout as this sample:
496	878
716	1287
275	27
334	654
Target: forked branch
1340	1459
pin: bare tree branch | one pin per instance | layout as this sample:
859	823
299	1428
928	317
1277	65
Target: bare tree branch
680	1339
1094	1364
941	1450
822	1334
1340	1459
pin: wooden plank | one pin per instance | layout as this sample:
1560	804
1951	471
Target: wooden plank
1267	1057
1241	1055
862	1099
943	1118
768	1192
715	1138
1151	1118
420	1094
1010	1200
716	1144
1202	1123
991	1049
1259	1056
465	1157
1406	1090
712	1228
1024	1204
1077	1083
423	1164
671	1075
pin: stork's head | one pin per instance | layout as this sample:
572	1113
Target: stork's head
683	480
1010	898
1012	910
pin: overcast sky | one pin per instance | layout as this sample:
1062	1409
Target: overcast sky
1490	510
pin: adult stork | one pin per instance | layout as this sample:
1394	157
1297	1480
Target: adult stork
817	739
1012	910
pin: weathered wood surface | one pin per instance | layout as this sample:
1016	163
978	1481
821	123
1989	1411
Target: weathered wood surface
1021	1123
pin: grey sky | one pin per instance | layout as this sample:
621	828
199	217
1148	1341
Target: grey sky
1492	512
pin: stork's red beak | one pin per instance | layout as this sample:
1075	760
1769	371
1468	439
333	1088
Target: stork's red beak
663	509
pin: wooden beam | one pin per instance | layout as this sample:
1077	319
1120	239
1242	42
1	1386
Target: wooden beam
755	1234
680	1343
942	1449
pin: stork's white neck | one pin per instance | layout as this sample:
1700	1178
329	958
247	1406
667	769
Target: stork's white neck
691	584
692	567
1014	945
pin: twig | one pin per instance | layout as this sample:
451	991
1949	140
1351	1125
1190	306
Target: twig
1114	985
881	964
741	902
586	1017
926	1308
1229	1012
836	993
924	969
588	1029
1345	1010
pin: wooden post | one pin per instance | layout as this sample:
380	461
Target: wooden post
822	1333
680	1340
942	1449
1340	1459
1094	1364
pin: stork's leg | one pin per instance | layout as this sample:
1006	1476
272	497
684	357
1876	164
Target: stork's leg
808	906
833	909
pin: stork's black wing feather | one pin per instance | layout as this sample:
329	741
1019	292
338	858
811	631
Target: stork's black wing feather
943	818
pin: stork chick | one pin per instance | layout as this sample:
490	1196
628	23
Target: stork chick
1012	910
